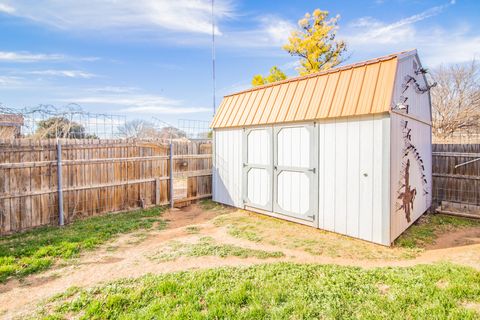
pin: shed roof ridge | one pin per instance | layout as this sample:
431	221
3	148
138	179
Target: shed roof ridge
324	72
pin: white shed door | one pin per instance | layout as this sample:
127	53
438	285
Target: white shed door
294	172
257	168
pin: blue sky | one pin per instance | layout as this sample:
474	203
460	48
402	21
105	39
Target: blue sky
153	57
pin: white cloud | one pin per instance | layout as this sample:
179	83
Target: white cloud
272	31
9	81
63	73
26	57
164	110
139	103
372	30
277	29
139	100
6	8
370	37
292	65
179	15
113	89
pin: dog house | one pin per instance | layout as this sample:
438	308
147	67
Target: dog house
346	150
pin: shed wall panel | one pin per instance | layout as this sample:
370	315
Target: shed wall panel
418	103
351	177
321	176
410	143
227	167
366	179
353	182
341	182
329	157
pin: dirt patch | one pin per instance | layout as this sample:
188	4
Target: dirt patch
457	238
472	306
190	215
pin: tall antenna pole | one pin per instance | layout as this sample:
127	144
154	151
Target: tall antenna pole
213	55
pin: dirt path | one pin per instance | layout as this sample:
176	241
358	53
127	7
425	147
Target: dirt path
459	238
130	259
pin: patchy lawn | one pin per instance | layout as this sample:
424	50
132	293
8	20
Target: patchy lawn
429	227
281	291
207	235
206	246
29	252
283	234
263	229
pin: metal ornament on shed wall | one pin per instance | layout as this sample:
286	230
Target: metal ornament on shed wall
405	192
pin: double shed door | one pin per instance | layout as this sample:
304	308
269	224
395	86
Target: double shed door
280	171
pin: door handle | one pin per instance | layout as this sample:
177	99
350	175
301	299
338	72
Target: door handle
312	170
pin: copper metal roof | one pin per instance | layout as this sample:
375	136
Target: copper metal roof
356	89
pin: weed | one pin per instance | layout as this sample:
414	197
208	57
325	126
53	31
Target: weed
192	229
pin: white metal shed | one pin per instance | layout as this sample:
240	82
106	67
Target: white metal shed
346	150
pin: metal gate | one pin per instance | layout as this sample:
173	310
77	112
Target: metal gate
279	171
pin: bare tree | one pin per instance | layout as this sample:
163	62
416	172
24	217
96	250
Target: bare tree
135	129
456	100
141	129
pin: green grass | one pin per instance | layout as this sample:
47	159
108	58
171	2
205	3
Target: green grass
29	252
428	227
281	291
206	246
208	204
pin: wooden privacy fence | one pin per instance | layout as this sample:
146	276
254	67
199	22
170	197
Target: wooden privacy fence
456	174
96	177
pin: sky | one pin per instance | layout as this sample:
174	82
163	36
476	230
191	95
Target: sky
149	58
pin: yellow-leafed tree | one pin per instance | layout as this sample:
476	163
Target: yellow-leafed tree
275	75
315	43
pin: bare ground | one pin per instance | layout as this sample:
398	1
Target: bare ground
130	255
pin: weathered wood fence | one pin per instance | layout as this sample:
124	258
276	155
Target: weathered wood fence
456	173
97	176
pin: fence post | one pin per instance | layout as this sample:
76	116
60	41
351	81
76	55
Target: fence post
59	183
157	191
171	175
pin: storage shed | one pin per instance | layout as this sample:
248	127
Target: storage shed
346	150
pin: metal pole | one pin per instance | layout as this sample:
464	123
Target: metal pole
171	175
213	55
59	182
